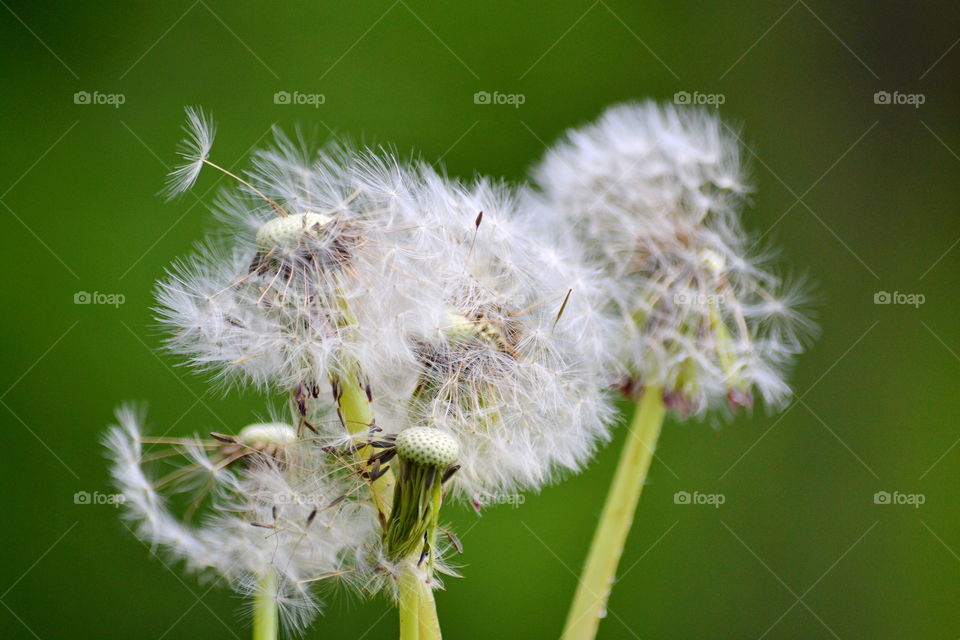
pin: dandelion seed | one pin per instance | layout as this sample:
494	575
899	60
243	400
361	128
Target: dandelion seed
194	150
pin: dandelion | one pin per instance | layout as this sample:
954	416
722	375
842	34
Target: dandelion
509	375
284	513
431	341
372	276
654	194
318	283
326	290
426	456
513	370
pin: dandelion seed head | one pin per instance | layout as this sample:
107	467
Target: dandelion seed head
653	195
509	368
288	300
302	517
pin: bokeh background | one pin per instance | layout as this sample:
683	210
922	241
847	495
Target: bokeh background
863	196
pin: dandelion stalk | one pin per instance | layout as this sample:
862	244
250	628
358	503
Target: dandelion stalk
599	571
354	405
353	399
357	416
429	622
424	456
705	322
418	609
265	609
409	603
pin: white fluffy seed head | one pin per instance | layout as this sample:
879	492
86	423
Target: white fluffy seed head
653	195
288	301
448	299
427	446
513	367
307	530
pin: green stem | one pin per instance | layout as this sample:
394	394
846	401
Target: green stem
357	415
418	609
599	572
265	609
411	533
353	404
409	604
429	622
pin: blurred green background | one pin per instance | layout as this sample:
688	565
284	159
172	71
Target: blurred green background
861	195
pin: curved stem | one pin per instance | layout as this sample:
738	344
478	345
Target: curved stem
357	416
599	571
265	609
354	405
